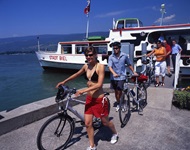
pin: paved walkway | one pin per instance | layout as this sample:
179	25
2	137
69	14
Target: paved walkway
161	127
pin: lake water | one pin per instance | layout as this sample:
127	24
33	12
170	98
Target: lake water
22	81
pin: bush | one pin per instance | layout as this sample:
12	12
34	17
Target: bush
182	99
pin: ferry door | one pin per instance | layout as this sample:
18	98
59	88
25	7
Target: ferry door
129	50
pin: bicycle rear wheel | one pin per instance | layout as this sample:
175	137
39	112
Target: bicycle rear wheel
124	108
55	133
142	95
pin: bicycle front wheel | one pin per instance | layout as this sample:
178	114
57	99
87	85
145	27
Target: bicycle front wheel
124	108
55	133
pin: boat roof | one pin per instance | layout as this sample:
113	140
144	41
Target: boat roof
85	42
174	26
95	38
127	19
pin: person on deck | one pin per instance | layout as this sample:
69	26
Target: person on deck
96	104
176	48
168	52
160	64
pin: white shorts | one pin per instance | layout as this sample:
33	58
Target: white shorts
160	68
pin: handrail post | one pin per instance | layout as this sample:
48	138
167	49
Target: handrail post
177	69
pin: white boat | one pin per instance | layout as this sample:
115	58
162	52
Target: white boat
70	54
128	31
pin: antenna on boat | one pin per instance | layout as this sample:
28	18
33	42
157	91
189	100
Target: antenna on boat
163	11
38	43
86	11
113	23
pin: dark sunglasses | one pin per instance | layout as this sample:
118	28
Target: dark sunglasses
89	55
116	48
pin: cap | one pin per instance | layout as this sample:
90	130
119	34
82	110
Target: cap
115	44
159	42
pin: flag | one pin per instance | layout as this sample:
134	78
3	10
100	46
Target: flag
87	8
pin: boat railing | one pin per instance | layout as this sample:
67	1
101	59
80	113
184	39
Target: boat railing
177	69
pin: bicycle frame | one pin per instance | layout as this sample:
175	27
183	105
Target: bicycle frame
75	112
129	91
149	70
138	98
70	108
135	86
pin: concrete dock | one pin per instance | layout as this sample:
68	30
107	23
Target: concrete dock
161	127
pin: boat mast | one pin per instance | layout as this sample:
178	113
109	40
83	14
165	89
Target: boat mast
86	11
87	26
163	11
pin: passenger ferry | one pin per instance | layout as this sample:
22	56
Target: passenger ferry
132	35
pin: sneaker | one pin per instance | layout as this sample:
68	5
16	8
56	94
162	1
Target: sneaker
162	84
117	108
91	148
156	85
114	138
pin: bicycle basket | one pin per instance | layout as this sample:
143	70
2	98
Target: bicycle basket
141	78
62	92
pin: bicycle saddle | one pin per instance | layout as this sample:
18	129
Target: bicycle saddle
62	92
145	61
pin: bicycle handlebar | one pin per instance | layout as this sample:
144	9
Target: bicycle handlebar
63	92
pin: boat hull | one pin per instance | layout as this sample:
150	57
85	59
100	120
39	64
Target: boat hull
73	62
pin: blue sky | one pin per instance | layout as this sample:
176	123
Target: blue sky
36	17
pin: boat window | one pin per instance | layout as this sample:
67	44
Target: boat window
120	24
66	49
131	23
100	48
80	49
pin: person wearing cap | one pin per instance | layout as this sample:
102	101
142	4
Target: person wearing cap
116	64
160	64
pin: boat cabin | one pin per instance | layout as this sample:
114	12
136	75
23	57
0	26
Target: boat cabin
78	47
128	23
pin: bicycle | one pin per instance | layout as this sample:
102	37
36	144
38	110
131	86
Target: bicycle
149	69
133	94
58	130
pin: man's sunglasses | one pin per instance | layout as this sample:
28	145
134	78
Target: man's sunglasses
89	55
